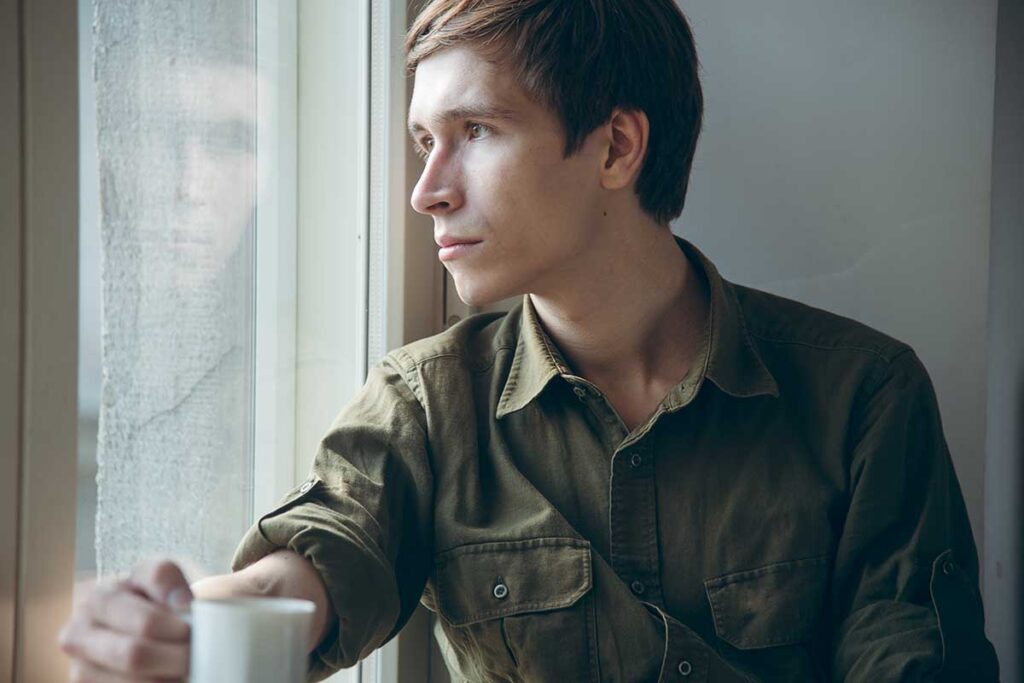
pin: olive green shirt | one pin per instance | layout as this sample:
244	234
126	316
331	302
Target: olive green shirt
788	513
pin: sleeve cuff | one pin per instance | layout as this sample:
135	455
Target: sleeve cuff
360	581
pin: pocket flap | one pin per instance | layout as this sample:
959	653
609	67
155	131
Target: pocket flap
779	604
490	580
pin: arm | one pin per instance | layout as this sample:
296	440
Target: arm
905	584
283	574
362	520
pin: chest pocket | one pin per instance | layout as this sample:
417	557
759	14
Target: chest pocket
519	610
779	604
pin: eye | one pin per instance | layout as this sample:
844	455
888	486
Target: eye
476	130
426	145
423	147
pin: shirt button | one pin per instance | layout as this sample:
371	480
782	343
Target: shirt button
636	460
500	591
684	668
638	587
580	393
948	567
305	487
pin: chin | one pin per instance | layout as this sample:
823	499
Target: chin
479	295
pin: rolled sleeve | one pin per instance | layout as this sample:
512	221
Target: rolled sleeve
363	518
905	588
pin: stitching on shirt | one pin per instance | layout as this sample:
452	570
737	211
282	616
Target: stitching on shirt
835	347
724	624
710	328
581	560
747	334
726	630
409	375
504	546
446	354
510	383
868	388
775	567
552	355
515	608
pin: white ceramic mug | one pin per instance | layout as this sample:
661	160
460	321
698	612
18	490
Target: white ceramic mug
249	639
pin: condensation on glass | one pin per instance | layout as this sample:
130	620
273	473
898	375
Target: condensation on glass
175	99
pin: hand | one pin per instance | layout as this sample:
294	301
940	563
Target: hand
127	630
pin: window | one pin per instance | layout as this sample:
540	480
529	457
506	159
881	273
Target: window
176	122
236	276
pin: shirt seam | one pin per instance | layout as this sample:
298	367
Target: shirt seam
447	354
869	387
836	347
408	375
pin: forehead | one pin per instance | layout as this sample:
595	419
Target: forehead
458	81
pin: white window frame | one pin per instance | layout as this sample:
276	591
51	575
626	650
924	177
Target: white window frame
276	212
311	234
337	71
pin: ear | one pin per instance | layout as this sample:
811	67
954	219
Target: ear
628	132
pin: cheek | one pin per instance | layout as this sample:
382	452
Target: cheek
528	186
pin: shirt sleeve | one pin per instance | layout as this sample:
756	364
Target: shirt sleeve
364	517
905	585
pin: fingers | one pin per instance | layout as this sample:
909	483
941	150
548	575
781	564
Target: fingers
102	652
125	630
161	581
85	672
124	611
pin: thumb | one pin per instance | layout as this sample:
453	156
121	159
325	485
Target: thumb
162	581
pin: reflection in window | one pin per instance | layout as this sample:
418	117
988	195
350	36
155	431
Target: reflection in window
175	88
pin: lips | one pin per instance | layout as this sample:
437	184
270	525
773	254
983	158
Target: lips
449	241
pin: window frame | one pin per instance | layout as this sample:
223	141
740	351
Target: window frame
40	307
273	428
393	272
39	343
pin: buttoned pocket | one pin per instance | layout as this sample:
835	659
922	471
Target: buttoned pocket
778	604
523	606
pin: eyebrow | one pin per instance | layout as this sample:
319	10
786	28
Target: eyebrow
478	111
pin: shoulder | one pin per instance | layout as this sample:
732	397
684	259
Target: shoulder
776	321
818	355
472	344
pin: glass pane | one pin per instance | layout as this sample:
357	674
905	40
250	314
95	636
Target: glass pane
169	376
175	100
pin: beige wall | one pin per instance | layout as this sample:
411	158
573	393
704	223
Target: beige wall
38	342
10	321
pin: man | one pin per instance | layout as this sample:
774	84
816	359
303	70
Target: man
643	472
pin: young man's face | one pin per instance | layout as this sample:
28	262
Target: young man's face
495	175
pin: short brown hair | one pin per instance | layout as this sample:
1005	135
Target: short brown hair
582	58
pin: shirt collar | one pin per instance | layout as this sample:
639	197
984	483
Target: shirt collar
733	363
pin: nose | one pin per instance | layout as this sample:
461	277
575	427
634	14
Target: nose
194	180
437	191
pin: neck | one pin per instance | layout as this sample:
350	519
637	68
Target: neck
637	321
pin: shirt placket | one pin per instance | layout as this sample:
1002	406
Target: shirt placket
633	534
635	557
633	521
